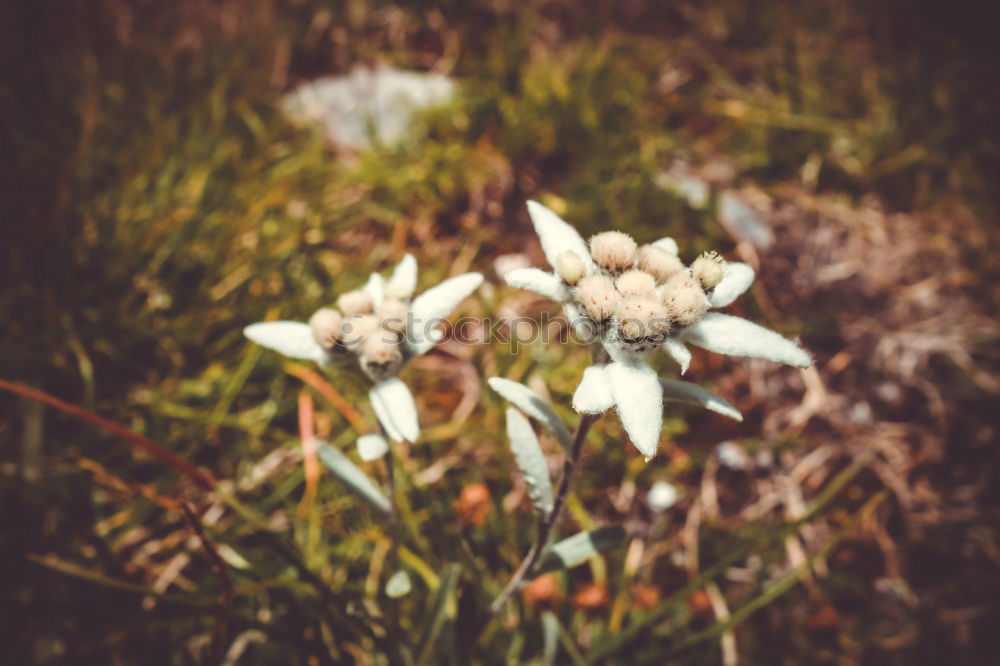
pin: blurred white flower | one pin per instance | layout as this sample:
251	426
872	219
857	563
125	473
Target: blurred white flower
380	101
398	585
661	496
734	456
372	446
381	327
631	300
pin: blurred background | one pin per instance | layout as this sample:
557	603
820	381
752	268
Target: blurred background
173	171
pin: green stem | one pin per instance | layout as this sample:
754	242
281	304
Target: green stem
548	522
393	604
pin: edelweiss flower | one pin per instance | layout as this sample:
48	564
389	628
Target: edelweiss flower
381	328
633	299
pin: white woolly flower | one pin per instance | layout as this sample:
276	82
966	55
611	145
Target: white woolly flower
605	289
381	327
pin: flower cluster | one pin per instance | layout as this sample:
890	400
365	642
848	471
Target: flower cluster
371	324
382	326
637	299
636	296
625	300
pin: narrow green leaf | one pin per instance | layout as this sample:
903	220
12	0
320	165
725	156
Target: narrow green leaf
530	460
667	611
579	548
681	391
352	477
534	406
550	634
443	598
569	644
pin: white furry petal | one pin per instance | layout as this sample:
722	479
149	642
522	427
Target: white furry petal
675	389
593	395
436	303
639	400
619	354
736	279
538	281
668	244
403	280
557	236
679	352
582	325
425	341
530	460
395	409
734	336
533	405
372	447
375	287
439	301
290	338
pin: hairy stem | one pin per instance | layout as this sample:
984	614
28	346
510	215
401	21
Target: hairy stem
390	482
549	522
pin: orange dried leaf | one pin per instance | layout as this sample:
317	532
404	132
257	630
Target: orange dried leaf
543	591
591	597
473	505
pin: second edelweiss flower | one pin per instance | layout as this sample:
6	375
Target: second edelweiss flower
634	299
381	326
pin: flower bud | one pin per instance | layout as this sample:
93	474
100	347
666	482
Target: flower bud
707	269
640	318
325	324
392	315
355	302
659	263
685	301
357	329
597	295
636	283
613	251
380	357
570	267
